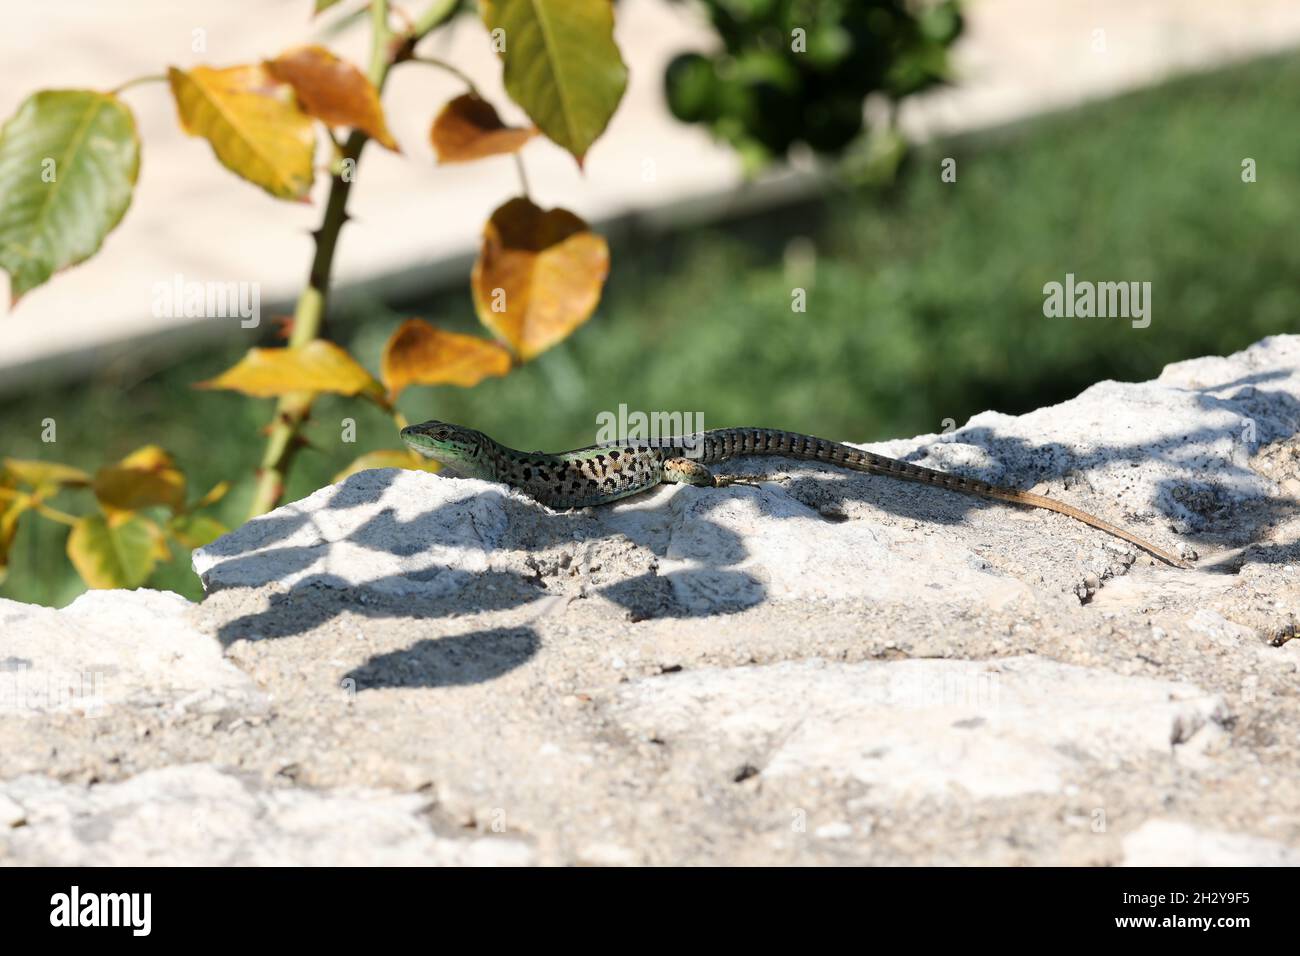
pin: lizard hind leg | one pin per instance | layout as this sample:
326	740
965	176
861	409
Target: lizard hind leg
684	471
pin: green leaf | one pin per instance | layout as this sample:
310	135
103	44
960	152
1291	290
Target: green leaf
113	554
68	163
323	5
561	65
194	531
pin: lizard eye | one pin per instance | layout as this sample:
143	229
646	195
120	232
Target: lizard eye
441	434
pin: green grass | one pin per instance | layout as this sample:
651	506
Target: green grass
926	304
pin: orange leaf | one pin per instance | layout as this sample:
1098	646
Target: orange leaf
333	90
419	354
538	276
469	128
318	366
144	478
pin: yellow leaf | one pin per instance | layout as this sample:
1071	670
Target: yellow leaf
318	366
538	276
420	354
113	554
212	497
252	122
147	457
333	90
161	551
12	505
388	458
44	474
142	479
469	128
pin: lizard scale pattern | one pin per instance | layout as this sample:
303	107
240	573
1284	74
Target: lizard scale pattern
599	474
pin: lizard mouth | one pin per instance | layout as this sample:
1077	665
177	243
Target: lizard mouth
419	442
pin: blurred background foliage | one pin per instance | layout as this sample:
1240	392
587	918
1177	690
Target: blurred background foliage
924	303
797	71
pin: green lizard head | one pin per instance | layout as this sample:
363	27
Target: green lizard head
463	449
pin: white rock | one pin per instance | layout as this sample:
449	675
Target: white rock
111	649
515	670
196	815
11	814
607	854
762	544
1171	843
912	728
834	831
1218	629
393	531
407	532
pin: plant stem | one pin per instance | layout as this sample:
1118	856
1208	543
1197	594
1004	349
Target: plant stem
380	34
437	13
62	517
34	502
523	177
154	78
283	434
448	68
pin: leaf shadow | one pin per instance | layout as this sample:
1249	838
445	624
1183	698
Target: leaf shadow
440	589
459	660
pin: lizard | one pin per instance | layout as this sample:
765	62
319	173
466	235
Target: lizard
603	473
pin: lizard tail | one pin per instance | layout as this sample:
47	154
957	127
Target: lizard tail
1060	507
878	464
727	443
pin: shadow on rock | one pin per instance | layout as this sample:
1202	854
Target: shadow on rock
449	661
320	599
476	548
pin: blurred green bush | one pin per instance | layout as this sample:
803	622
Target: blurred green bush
798	70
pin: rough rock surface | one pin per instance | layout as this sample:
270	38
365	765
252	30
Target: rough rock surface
197	815
1164	843
829	667
134	650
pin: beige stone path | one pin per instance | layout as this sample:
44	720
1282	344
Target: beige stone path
416	223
